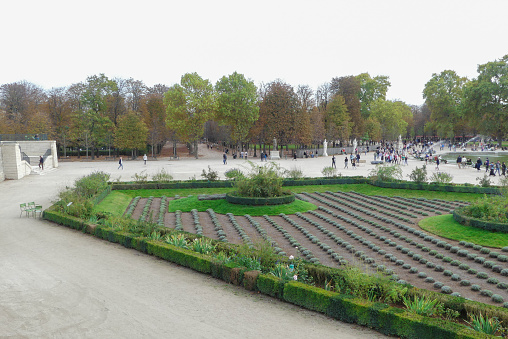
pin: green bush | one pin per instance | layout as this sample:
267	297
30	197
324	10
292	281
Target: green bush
441	178
419	175
211	175
386	172
162	176
329	172
262	181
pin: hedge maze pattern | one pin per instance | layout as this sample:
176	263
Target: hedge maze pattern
374	232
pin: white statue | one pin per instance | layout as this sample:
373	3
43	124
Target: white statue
274	144
399	144
355	145
325	147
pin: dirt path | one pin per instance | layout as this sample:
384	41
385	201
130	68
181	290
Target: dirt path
59	283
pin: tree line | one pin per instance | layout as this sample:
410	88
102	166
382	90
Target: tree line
126	114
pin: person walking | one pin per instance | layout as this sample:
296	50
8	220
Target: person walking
145	158
120	163
41	163
345	162
294	156
498	168
333	162
437	163
224	158
503	169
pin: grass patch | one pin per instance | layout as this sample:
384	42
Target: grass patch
360	188
445	226
222	206
115	203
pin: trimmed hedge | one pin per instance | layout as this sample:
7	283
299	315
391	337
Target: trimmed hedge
436	187
257	201
463	219
313	181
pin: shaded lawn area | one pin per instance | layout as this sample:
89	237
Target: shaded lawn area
447	227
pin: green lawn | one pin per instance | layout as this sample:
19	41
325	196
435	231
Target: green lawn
447	227
360	188
222	207
117	201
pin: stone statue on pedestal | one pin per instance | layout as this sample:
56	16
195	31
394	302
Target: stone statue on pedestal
355	145
325	147
274	144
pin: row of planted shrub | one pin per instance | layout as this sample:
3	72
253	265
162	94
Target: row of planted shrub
463	219
386	319
313	181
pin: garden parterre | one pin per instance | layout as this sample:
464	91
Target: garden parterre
374	232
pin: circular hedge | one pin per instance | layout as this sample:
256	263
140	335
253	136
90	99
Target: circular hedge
256	201
463	219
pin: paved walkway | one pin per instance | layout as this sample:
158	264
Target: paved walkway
59	283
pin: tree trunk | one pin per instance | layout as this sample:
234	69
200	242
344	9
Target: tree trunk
196	148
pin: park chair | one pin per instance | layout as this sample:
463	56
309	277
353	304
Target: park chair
37	209
29	208
22	208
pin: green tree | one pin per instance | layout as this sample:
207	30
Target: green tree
237	105
91	119
393	117
337	121
131	132
486	99
371	89
443	94
188	106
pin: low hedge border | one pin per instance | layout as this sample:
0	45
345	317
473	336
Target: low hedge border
461	218
383	318
258	201
315	181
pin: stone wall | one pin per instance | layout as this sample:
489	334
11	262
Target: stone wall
13	165
2	175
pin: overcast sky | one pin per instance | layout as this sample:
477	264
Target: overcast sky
57	43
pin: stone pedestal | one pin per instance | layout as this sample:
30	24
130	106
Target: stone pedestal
274	155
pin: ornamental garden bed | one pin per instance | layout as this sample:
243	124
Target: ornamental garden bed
375	232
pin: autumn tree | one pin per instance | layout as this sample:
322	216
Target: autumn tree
237	105
154	116
349	88
443	95
131	133
337	121
486	99
188	106
279	111
22	103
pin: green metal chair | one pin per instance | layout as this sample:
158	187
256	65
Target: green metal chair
37	209
29	208
22	208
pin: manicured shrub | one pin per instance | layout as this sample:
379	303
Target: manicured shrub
476	288
446	290
438	284
455	263
465	282
479	260
439	268
488	264
447	259
429	280
448	273
484	250
422	275
482	275
504	272
493	280
413	270
455	277
487	293
502	286
497	298
464	267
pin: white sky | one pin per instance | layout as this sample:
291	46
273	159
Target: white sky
57	43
